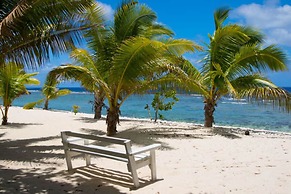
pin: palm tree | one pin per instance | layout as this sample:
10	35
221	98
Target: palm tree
30	31
12	85
50	92
127	58
234	62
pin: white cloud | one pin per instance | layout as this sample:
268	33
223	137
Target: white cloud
271	17
107	10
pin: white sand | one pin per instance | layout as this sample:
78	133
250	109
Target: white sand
192	159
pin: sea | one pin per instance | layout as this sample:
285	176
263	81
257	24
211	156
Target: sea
229	112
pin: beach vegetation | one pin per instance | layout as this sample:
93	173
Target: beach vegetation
86	67
32	31
50	92
75	109
234	65
163	100
132	55
13	81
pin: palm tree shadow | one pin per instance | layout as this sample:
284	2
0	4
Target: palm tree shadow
2	134
18	125
87	119
39	180
93	131
24	150
147	136
228	133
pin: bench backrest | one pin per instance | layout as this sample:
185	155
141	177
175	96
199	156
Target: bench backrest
67	135
113	140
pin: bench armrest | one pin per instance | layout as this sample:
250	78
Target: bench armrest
145	149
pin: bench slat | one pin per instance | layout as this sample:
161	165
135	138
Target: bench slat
99	149
97	138
99	154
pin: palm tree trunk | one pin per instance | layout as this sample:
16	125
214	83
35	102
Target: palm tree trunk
112	120
209	109
45	104
156	115
5	116
98	104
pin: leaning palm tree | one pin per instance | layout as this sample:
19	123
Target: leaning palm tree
32	30
12	85
234	62
127	58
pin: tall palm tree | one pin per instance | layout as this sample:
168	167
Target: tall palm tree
32	30
233	65
12	85
126	59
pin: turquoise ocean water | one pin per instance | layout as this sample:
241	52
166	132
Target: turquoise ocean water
229	112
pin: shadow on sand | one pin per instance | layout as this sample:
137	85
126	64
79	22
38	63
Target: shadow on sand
25	151
86	119
39	180
43	178
147	136
228	133
17	125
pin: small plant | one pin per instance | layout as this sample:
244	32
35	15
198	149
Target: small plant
76	109
159	103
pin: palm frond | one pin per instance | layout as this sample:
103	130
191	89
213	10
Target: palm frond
156	31
178	47
220	15
78	73
97	34
278	96
135	57
258	88
252	59
130	18
82	57
12	82
272	58
30	30
63	92
31	105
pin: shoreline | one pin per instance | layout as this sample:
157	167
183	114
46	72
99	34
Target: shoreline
240	129
192	159
188	109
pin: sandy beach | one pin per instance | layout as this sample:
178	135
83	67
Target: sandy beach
192	159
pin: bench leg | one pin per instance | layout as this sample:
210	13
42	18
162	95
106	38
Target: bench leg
135	178
88	159
87	156
68	160
133	170
153	165
67	152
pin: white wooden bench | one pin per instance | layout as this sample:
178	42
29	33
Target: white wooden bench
82	143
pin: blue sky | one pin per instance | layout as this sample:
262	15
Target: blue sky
194	20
